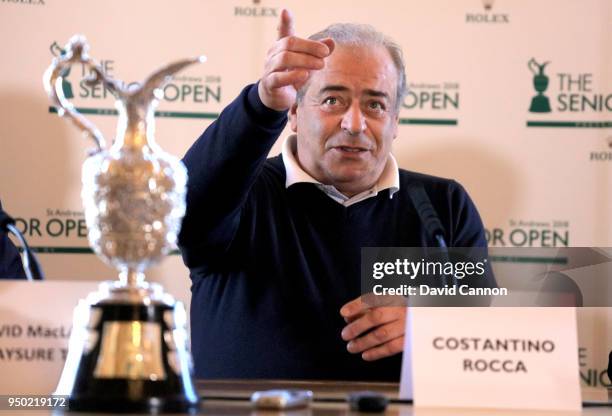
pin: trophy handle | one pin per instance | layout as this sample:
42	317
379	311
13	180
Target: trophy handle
152	87
76	51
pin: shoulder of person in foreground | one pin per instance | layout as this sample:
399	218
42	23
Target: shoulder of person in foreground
10	259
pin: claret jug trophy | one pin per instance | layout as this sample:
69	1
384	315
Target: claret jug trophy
128	351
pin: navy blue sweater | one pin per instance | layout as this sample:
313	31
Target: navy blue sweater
271	267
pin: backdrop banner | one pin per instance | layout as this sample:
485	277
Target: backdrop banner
512	99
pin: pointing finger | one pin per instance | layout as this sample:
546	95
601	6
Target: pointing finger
285	25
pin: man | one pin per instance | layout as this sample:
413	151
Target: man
274	245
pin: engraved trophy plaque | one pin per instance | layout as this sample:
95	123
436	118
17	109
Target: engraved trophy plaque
128	351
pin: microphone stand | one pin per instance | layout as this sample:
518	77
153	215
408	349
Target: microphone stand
431	223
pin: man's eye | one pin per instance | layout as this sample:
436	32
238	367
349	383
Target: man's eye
376	105
330	101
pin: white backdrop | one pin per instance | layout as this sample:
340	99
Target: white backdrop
539	179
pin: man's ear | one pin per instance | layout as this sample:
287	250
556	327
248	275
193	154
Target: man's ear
293	116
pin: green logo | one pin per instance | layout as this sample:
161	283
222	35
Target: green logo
539	103
520	233
66	85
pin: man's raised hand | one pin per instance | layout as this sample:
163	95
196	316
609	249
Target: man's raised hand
289	64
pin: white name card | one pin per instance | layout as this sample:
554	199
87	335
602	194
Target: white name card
35	324
504	358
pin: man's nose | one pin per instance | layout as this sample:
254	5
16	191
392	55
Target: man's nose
353	120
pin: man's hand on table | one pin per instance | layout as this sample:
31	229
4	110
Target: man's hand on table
288	65
375	332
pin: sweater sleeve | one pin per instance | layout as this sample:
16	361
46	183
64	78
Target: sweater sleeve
222	166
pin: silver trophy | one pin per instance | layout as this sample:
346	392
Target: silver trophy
129	345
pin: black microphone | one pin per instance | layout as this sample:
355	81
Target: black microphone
31	266
427	213
429	218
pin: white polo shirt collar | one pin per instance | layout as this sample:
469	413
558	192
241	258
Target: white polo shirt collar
389	179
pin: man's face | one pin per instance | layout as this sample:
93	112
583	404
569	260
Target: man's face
346	120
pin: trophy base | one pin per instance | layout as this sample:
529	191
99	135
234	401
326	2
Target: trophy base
152	405
128	353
